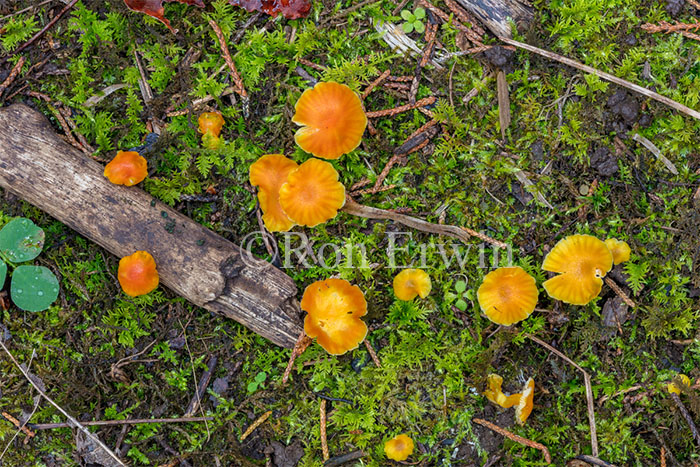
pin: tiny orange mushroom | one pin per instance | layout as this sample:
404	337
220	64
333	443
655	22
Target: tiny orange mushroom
581	261
494	393
399	448
334	308
127	168
620	250
410	283
526	402
210	122
332	120
507	295
137	274
312	194
269	173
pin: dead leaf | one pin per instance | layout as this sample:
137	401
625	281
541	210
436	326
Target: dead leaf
290	9
91	453
155	8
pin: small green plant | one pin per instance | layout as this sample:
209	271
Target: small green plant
257	382
33	288
461	287
413	21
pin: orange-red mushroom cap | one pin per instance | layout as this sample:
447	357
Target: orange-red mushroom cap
620	250
399	448
312	194
332	120
410	283
210	123
581	261
137	274
269	173
507	295
127	168
334	308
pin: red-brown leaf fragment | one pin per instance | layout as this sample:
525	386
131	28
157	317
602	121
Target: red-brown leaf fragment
290	9
155	8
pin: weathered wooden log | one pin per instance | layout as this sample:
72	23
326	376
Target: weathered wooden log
497	14
194	262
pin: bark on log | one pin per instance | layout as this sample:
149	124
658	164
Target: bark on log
193	261
496	14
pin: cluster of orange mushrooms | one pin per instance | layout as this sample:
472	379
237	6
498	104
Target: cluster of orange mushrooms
332	121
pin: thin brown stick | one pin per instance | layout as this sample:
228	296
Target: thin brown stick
589	390
607	76
620	293
237	80
194	376
429	124
201	387
666	27
74	423
373	354
465	18
134	421
471	35
594	460
301	345
461	233
324	437
311	64
344	459
688	418
45	28
81	139
663	456
261	419
402	108
372	191
690	35
22	427
375	83
518	439
13	74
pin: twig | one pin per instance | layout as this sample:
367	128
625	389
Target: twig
589	390
194	374
75	423
372	354
201	387
620	293
13	74
203	100
465	17
461	233
311	64
666	27
45	28
471	35
374	84
22	427
402	108
133	421
687	417
301	345
324	437
237	80
518	439
601	74
261	419
656	152
594	460
663	456
372	191
345	458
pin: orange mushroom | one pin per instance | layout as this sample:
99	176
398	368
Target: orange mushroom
673	388
507	295
399	448
210	124
620	250
526	402
494	393
127	168
332	120
410	283
334	308
312	194
581	261
269	173
137	274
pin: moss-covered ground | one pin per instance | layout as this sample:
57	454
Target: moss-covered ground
567	134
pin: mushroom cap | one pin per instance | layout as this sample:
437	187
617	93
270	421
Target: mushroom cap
399	448
620	250
582	261
494	393
673	387
334	308
410	283
210	123
137	274
507	295
127	168
332	120
526	402
312	194
269	173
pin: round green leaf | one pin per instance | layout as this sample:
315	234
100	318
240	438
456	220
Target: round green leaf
407	15
407	27
21	240
460	286
33	288
419	13
3	273
420	27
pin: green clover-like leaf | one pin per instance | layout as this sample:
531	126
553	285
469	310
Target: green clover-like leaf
407	15
419	27
33	288
21	240
407	27
419	13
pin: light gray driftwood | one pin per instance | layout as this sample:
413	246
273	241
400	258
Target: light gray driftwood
193	261
496	14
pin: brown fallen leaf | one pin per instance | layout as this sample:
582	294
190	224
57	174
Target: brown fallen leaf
155	8
290	9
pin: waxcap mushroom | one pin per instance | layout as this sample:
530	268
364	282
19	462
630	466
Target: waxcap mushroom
495	394
410	283
269	173
332	120
673	386
210	123
399	447
620	250
507	295
526	402
581	261
127	168
334	308
137	274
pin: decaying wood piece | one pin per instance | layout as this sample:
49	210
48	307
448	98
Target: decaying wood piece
497	14
194	262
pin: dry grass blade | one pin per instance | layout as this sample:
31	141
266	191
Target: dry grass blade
503	102
620	293
324	436
656	152
518	439
301	345
261	419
